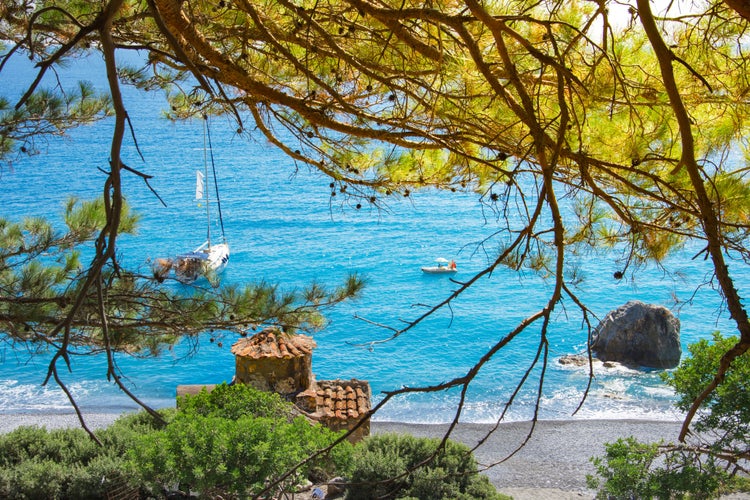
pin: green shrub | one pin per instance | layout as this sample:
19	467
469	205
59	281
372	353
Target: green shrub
59	445
34	479
227	442
381	464
231	441
631	469
235	401
67	463
729	405
625	469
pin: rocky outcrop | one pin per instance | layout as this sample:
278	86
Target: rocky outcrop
574	360
639	334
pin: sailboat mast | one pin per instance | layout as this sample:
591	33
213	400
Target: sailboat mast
207	191
216	183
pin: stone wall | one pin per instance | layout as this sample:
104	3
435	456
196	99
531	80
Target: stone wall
285	376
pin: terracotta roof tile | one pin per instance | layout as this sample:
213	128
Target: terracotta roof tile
273	343
343	399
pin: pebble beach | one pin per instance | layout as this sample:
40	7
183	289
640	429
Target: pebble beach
552	465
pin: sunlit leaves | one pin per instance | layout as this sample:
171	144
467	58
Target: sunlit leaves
593	222
398	96
415	166
527	103
732	195
656	245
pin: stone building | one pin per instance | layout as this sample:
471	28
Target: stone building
272	360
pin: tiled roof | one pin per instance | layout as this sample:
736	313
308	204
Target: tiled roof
343	399
272	343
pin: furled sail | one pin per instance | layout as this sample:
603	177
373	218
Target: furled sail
198	185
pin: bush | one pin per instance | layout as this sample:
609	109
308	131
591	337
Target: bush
381	464
67	463
219	444
631	469
37	443
231	441
625	468
235	401
729	405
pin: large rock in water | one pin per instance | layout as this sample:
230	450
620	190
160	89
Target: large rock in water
639	334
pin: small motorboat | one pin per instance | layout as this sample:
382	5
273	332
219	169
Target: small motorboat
442	266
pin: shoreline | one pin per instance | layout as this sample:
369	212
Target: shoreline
553	464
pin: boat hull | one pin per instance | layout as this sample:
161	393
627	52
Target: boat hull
201	262
438	270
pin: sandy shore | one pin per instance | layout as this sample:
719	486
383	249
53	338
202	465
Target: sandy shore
552	465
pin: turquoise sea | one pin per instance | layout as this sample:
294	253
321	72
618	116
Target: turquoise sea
284	227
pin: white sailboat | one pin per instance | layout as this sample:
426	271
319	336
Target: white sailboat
210	257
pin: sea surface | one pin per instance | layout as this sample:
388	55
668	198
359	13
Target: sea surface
284	227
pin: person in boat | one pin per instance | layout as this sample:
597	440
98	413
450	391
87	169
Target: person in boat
452	265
